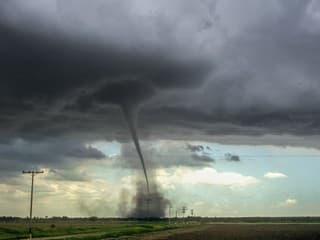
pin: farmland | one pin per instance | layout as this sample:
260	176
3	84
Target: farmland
246	231
80	229
211	228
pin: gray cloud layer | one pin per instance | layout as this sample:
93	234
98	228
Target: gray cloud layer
256	73
198	69
24	155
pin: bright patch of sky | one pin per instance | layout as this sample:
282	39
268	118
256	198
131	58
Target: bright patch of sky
108	148
221	188
238	188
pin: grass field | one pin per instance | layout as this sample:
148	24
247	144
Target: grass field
85	229
206	230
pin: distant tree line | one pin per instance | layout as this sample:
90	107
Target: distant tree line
306	219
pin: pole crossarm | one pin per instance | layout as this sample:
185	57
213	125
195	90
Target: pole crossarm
32	172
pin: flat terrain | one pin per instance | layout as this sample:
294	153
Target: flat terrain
81	229
159	230
251	231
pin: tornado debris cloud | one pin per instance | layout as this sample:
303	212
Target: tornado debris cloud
141	204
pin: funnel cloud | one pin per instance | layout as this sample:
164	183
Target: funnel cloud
129	116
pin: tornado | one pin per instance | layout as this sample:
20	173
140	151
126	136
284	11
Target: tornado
129	116
128	94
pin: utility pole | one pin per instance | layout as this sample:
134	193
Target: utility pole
184	209
33	173
170	214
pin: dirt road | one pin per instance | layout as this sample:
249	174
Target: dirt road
146	236
164	234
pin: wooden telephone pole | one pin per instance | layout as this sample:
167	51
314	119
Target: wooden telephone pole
33	173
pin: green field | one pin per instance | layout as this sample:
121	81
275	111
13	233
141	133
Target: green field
85	228
180	229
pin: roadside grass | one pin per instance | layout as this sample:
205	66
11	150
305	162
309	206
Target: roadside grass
133	230
97	229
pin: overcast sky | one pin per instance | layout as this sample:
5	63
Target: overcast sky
220	89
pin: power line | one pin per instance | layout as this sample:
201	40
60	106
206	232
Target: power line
281	155
240	155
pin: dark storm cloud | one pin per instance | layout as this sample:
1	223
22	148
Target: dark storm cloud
195	148
202	158
232	157
42	70
86	152
43	66
200	153
55	155
161	155
254	122
197	70
48	70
